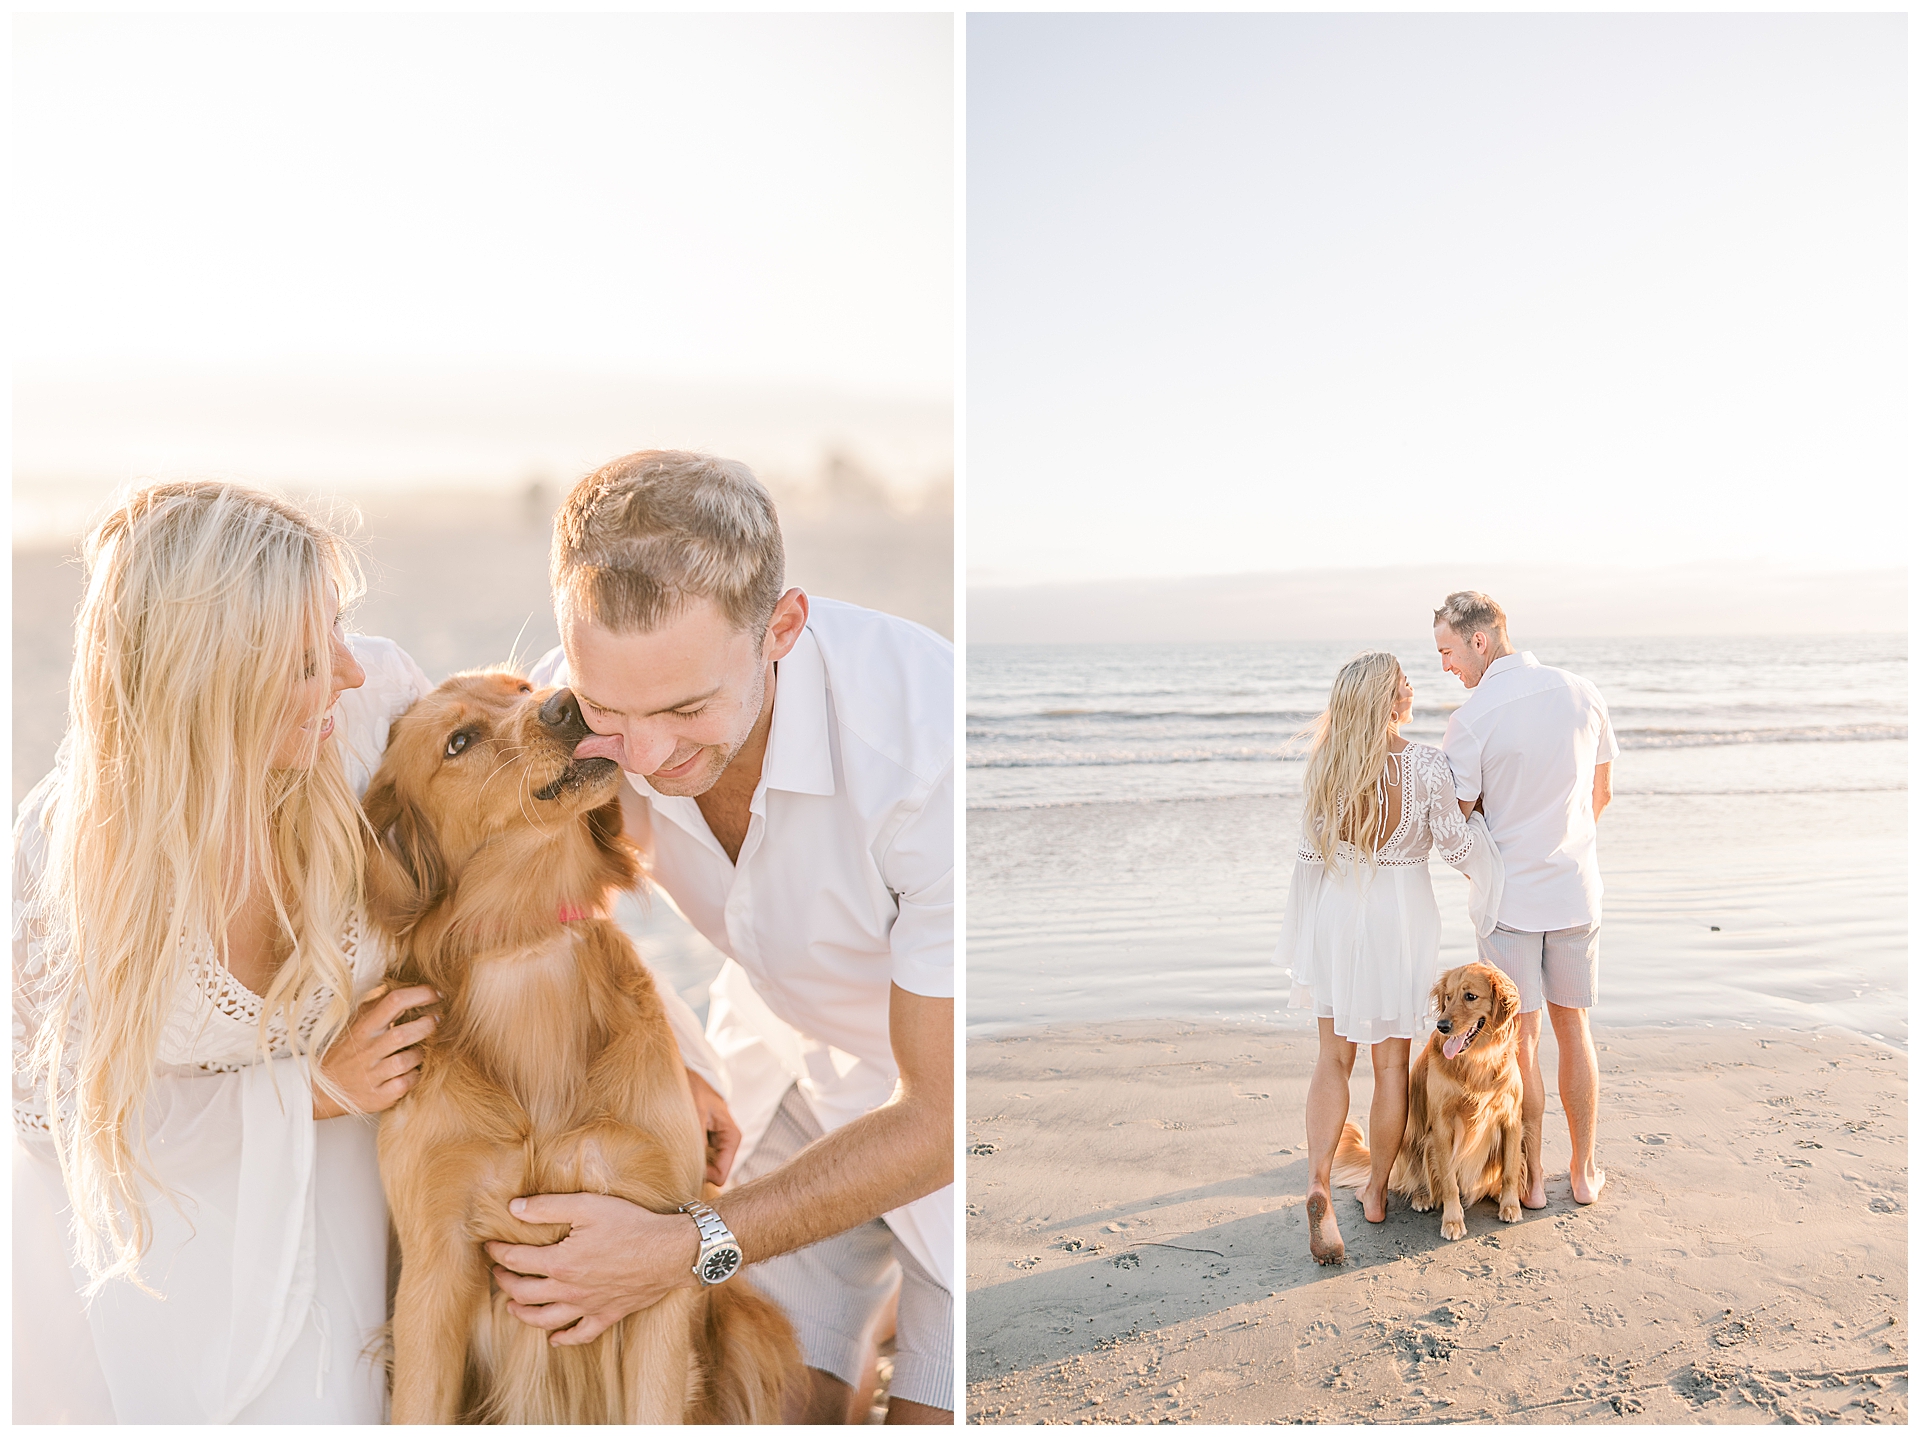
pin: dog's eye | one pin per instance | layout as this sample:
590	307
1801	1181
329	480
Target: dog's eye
1473	997
526	688
457	744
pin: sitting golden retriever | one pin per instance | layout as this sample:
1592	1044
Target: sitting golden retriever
552	1070
1463	1139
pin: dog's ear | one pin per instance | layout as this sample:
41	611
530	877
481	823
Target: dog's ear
1506	997
1437	999
605	823
406	872
620	858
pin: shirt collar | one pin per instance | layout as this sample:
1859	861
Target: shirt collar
1509	661
799	759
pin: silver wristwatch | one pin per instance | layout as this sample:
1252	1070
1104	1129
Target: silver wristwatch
720	1255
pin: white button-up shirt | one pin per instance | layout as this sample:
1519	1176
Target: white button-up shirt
1526	740
844	883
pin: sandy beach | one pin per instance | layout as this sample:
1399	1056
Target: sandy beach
1136	1248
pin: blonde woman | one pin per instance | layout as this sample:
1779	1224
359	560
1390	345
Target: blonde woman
199	1036
1362	930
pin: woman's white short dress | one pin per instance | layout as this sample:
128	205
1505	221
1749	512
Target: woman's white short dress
269	1257
1363	939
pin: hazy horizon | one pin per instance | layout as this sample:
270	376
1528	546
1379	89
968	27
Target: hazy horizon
78	439
1560	601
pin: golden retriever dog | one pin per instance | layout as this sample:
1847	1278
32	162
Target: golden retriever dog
1463	1139
552	1070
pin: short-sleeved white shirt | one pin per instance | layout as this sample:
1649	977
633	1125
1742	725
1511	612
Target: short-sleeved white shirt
844	884
1526	740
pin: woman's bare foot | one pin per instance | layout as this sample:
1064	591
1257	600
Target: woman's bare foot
1323	1233
1587	1185
1373	1203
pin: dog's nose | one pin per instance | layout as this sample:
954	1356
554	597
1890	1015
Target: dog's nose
562	715
1445	1025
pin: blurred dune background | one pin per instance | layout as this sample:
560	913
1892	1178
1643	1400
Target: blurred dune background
457	571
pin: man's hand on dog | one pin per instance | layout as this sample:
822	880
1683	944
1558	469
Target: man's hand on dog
618	1259
723	1135
374	1063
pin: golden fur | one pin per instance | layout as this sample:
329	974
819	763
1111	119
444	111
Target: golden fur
552	1070
1463	1140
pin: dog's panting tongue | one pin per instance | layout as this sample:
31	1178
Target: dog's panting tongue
600	745
1451	1048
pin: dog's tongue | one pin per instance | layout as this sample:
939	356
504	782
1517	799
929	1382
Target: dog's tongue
600	745
1451	1048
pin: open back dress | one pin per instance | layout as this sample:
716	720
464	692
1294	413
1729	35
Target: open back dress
1361	937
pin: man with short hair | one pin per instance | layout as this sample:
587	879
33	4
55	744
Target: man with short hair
790	766
1533	748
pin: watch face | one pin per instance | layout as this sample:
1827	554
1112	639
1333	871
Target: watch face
719	1264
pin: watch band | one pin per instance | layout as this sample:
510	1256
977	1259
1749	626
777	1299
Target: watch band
720	1256
712	1227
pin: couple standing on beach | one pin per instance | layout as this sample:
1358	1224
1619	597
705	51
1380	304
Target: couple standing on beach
1510	798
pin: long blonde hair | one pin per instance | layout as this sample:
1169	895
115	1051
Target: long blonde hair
205	607
1349	756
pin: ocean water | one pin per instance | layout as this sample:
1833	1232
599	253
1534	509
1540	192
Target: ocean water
1132	811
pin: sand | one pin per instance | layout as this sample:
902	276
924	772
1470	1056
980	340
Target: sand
1136	1249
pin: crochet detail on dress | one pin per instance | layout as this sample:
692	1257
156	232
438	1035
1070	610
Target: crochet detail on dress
1429	815
241	1006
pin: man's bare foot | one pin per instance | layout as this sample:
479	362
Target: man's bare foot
1373	1204
1587	1185
1535	1196
1323	1233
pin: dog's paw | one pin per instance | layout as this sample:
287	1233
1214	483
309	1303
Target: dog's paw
1420	1202
1510	1211
1453	1228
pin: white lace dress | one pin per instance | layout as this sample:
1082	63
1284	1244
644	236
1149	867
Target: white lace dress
270	1259
1363	940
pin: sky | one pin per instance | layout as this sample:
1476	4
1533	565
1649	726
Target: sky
318	213
1256	293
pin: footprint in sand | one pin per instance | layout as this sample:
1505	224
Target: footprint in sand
1657	1140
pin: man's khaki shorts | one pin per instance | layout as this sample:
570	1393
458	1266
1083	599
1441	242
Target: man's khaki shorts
1561	966
833	1290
